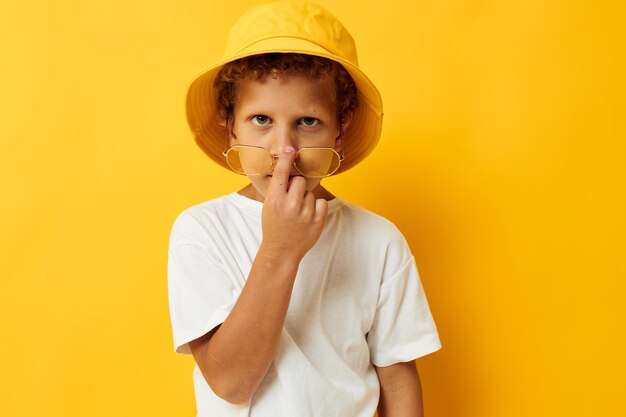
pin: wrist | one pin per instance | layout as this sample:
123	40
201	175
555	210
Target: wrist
276	256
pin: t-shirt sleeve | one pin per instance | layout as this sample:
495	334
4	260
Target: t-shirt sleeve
201	295
403	327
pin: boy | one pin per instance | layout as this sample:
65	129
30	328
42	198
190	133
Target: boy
293	302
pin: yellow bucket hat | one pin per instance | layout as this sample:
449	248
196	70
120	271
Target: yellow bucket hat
288	27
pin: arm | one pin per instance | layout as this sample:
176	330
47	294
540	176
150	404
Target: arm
235	356
400	391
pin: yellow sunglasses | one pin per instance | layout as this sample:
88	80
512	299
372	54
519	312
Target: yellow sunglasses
310	162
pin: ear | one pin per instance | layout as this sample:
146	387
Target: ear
339	143
346	119
344	122
230	129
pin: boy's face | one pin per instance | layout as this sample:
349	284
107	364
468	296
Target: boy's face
274	113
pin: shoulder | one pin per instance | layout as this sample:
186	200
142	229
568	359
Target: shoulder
371	230
367	222
194	224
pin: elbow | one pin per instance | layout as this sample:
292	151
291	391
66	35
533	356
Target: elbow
230	391
238	399
230	384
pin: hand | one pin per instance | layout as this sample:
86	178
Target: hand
292	219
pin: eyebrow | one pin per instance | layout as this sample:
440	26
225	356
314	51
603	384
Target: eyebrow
298	115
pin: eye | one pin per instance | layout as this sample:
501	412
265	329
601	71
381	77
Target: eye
310	121
260	120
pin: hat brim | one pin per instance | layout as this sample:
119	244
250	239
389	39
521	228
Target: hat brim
360	138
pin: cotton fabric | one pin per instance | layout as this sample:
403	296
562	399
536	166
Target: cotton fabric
357	302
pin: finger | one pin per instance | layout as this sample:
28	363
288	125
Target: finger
321	210
308	205
297	187
280	176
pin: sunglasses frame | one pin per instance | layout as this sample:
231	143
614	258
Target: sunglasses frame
275	157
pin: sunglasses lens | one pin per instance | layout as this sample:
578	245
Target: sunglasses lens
249	160
317	162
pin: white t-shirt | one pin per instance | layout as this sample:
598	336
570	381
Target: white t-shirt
357	302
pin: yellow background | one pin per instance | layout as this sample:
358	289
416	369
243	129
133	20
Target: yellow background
500	161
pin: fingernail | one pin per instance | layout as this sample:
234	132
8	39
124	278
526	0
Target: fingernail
289	149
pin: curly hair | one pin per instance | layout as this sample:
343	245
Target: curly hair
276	65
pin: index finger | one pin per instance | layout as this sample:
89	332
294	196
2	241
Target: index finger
280	176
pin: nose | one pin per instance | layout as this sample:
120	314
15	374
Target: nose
282	137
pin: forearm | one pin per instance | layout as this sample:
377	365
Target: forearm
400	391
238	355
